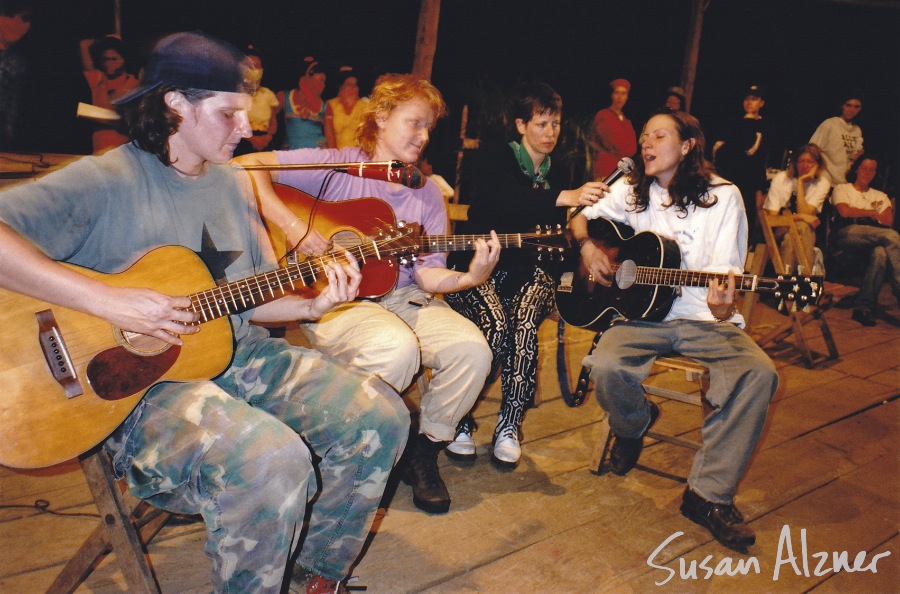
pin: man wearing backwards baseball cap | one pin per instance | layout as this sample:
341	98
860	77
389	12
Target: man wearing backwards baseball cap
229	448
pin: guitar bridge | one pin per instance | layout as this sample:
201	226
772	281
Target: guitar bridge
57	355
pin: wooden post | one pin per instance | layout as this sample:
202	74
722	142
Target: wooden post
426	38
692	51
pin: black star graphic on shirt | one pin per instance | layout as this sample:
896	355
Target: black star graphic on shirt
215	260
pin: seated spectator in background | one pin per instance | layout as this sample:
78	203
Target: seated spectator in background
613	135
675	100
740	156
862	233
15	22
263	110
840	139
342	113
800	189
304	109
511	194
104	69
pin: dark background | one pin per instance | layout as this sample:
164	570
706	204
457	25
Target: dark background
804	53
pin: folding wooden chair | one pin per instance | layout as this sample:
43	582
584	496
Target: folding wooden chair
694	372
127	525
797	319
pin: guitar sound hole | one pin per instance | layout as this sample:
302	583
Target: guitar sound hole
626	274
141	344
345	239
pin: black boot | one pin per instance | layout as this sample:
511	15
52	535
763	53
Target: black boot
421	473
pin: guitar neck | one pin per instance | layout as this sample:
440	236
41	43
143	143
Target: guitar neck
239	296
669	277
458	243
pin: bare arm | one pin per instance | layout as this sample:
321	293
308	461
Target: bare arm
330	140
25	269
443	280
87	63
275	211
805	211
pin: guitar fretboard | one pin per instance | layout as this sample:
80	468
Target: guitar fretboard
646	275
456	243
238	296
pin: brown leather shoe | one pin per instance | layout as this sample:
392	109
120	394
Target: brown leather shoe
625	452
724	521
421	473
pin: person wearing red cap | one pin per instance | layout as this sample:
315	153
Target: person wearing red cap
237	449
613	135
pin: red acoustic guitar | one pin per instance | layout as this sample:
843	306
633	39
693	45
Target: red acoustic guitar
351	222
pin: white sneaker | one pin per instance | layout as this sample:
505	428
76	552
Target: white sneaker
506	450
462	448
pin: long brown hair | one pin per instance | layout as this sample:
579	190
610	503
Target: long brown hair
693	177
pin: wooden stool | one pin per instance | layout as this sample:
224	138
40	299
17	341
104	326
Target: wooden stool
694	372
127	524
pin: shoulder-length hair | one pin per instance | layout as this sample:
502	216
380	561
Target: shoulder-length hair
390	91
693	177
150	122
851	173
813	151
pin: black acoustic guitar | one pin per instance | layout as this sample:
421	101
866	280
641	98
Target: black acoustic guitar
647	275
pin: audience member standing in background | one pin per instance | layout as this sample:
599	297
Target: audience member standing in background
104	70
613	135
342	112
263	109
840	139
675	99
304	110
740	157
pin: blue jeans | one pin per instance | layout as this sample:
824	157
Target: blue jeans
742	382
880	248
239	451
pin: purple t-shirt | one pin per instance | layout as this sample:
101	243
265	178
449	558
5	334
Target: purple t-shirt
424	206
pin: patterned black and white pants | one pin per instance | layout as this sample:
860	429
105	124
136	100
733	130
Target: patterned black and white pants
510	325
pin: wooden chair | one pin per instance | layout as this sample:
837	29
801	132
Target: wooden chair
695	373
127	525
797	318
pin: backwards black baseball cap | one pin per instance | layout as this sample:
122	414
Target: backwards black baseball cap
192	60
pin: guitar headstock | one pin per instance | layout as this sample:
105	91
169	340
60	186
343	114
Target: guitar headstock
399	242
549	238
800	291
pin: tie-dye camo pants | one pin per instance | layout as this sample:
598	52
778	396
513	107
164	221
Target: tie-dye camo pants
231	450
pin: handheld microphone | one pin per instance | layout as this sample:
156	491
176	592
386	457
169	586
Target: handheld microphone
624	166
391	171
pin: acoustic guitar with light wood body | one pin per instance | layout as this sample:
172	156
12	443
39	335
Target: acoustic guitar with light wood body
69	378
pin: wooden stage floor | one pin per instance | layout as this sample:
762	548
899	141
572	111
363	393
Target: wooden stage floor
823	482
